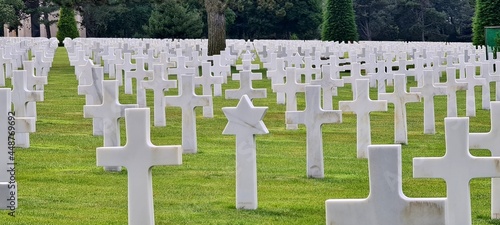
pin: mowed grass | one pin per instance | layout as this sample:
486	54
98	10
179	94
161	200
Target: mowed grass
59	182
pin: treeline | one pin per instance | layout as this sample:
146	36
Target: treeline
404	20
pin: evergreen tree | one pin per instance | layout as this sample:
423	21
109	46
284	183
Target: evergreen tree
66	25
172	19
486	14
339	22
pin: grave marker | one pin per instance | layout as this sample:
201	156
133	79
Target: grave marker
159	84
207	80
313	117
139	155
245	121
290	88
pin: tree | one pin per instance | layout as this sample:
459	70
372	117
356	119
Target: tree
11	14
375	20
486	14
339	22
66	25
216	21
47	7
173	19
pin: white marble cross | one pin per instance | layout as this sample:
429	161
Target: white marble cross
31	82
188	100
355	75
181	67
110	111
7	185
472	80
122	68
290	88
206	80
222	70
427	91
93	96
159	84
246	87
139	155
245	121
308	70
381	77
457	167
329	85
277	76
139	74
386	204
491	141
399	98
362	105
20	97
313	117
452	86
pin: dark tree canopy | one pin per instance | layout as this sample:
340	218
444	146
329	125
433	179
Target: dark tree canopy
339	22
486	14
174	19
67	24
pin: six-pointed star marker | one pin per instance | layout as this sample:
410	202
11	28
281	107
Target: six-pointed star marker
245	118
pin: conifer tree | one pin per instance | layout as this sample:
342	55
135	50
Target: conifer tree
339	22
66	25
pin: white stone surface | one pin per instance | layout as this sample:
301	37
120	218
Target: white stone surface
472	80
452	86
139	155
122	68
399	98
159	84
93	96
386	204
20	97
362	105
491	141
290	88
245	78
277	76
427	91
206	80
245	121
313	117
7	166
329	84
187	100
220	69
139	74
354	76
110	111
457	167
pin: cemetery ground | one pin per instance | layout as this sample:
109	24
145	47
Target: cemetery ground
59	182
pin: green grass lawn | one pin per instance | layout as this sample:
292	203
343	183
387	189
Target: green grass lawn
59	182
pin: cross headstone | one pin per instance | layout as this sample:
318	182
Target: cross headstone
159	84
399	98
246	88
31	82
122	68
181	67
386	203
290	88
139	155
93	96
110	111
313	117
472	80
8	183
355	75
206	80
188	100
329	85
380	77
427	91
362	105
452	86
457	167
245	121
491	141
277	76
139	74
20	97
220	69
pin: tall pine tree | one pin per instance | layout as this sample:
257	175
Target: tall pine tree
486	15
339	22
67	24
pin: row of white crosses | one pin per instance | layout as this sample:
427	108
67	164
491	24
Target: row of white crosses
457	167
21	119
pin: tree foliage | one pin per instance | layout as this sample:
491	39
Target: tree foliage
67	24
486	14
174	19
11	14
339	22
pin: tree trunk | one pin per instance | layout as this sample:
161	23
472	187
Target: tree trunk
216	21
